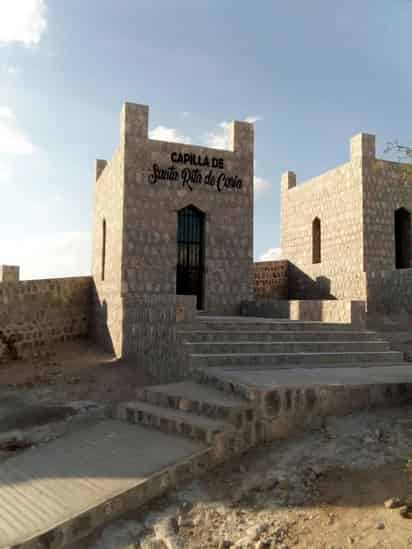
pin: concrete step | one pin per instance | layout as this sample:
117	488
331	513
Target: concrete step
265	324
249	347
295	359
222	436
277	335
197	371
189	396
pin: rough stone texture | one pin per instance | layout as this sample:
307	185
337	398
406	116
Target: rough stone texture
9	273
141	235
342	310
150	217
356	205
271	280
36	313
288	410
150	335
106	326
336	199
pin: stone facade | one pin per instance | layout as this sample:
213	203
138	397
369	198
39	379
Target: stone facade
355	206
138	196
37	313
271	280
335	198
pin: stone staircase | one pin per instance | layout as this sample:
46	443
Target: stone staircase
226	423
216	406
249	381
282	344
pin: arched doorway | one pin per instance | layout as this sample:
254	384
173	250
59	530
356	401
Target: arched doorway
190	253
402	239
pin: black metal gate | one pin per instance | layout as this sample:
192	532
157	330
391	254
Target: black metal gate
190	253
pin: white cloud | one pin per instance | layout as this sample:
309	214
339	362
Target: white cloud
272	254
5	171
219	138
261	185
13	141
8	70
253	119
48	256
22	21
172	135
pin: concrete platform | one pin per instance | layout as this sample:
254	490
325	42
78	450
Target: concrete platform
265	379
57	493
190	390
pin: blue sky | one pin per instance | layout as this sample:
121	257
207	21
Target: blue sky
310	73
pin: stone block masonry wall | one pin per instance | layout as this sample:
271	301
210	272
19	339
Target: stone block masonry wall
387	187
390	300
37	313
152	203
107	318
151	336
335	198
271	280
342	310
138	197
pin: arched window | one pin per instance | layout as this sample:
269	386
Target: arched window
103	248
316	241
402	239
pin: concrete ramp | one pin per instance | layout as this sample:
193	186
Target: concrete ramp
58	493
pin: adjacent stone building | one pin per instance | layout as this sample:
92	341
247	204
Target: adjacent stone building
347	233
170	219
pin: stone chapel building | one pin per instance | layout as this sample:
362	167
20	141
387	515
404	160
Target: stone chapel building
170	219
173	234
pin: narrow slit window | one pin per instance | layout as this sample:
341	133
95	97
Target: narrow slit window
316	241
103	248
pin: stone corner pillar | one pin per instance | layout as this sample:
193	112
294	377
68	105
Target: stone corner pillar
9	273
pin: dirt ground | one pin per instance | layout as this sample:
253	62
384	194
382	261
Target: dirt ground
322	490
76	371
46	398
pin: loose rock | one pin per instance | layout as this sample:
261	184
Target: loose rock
393	503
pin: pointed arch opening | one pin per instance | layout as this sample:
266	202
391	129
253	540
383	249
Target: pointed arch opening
402	239
316	241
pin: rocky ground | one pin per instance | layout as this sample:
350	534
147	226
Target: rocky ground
322	490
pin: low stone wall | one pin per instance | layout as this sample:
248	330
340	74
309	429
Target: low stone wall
342	310
271	279
150	333
36	313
